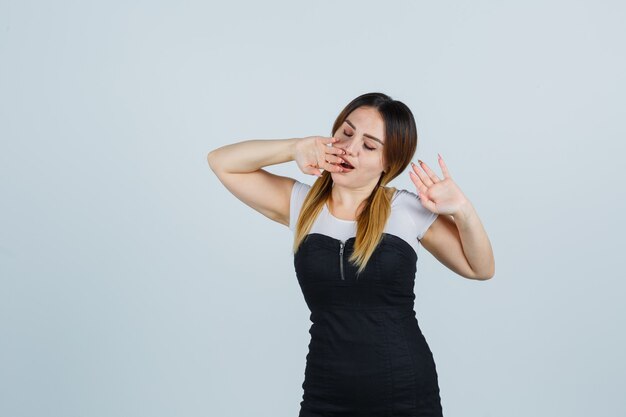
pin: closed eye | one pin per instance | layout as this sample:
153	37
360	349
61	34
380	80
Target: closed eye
365	146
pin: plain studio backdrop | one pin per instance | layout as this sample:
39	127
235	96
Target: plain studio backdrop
132	283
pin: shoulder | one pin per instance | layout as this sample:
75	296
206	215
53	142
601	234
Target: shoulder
405	197
298	194
299	190
408	204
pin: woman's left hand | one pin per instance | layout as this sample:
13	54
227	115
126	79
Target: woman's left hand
441	196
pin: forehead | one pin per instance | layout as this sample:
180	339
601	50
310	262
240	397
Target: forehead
368	120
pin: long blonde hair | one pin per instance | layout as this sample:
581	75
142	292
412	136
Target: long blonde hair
400	146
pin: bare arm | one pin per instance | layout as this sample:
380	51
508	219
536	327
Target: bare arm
251	155
457	237
476	244
238	167
461	244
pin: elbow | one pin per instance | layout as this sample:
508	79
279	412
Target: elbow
482	275
488	275
211	159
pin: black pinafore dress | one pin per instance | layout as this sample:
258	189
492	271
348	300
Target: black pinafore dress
367	354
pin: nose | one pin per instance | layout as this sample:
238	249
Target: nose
350	145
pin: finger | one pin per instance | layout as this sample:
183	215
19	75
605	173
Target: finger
329	166
421	187
330	149
335	151
335	159
425	178
444	168
422	192
313	170
428	203
429	171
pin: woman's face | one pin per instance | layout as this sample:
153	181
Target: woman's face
362	136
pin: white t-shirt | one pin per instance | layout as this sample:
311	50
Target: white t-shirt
409	219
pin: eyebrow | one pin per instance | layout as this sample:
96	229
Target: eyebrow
365	134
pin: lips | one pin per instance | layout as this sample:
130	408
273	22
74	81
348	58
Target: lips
345	164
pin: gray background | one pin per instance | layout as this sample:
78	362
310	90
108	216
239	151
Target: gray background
134	284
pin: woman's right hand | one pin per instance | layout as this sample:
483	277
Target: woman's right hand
313	153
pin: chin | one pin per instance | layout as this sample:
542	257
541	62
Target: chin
336	175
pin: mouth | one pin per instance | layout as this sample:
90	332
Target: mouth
346	165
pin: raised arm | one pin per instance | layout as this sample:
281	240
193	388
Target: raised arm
457	238
238	167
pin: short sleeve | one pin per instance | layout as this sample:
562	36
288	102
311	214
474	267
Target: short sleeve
298	194
421	217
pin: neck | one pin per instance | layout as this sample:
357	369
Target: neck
348	199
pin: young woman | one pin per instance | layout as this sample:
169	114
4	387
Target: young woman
355	252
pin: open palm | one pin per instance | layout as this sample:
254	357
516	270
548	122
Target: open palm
441	196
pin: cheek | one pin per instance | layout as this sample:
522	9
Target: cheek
373	163
380	162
